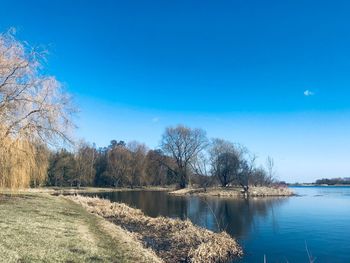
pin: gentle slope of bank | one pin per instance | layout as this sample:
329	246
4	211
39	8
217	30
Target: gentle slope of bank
172	240
235	191
86	190
44	228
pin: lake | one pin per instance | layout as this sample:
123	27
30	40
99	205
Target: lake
279	228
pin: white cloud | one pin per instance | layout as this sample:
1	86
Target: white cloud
155	120
308	93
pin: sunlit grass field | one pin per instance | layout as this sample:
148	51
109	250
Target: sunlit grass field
43	228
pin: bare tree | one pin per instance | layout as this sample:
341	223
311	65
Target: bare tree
270	165
232	164
258	177
155	170
183	144
136	175
201	169
118	164
62	169
33	107
85	157
225	161
246	172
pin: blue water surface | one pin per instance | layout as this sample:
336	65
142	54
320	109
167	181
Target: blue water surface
316	222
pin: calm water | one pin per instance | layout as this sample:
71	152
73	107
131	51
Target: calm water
276	227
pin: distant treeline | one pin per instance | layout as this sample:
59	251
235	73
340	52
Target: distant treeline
118	164
185	157
334	181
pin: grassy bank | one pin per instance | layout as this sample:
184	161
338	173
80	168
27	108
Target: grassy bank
172	240
37	227
235	192
81	190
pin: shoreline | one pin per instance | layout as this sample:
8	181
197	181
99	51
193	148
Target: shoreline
319	185
86	190
235	192
172	240
229	192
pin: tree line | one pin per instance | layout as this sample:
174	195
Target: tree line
333	181
185	157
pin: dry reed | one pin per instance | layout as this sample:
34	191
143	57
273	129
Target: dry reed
254	191
173	240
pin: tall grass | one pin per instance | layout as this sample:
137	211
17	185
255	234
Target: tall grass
173	240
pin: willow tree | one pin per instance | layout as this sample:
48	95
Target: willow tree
34	110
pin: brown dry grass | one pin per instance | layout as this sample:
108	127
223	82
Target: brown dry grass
236	191
172	240
74	190
270	191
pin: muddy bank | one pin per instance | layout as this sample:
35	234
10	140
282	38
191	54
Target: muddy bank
235	192
172	240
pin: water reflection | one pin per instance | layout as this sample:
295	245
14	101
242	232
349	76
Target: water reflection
235	216
275	227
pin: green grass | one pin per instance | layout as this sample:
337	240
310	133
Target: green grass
44	228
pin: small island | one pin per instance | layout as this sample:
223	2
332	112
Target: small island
236	192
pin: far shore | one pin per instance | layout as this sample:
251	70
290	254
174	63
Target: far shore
227	192
85	190
235	192
318	185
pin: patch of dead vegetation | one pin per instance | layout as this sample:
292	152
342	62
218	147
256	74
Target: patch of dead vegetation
270	191
74	190
117	233
236	192
172	240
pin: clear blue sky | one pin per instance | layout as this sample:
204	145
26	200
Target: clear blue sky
273	75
